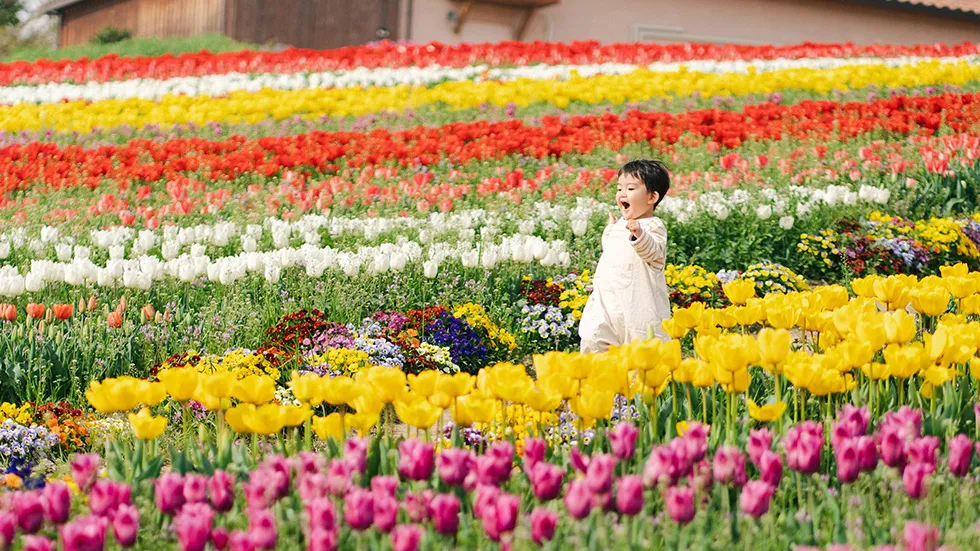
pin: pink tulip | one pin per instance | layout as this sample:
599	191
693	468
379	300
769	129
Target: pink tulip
599	475
679	501
534	452
338	477
662	467
546	480
622	439
684	453
307	462
802	444
271	481
579	460
492	470
976	413
919	536
501	518
324	540
8	528
543	523
914	477
219	538
754	500
906	420
262	529
417	505
169	493
729	466
240	541
355	452
960	455
195	488
852	423
384	485
696	439
892	447
107	495
701	478
416	459
486	499
126	525
867	453
385	512
770	468
85	469
281	465
629	495
193	527
445	514
316	485
406	537
38	543
848	460
57	502
221	490
760	440
578	499
321	514
359	509
85	533
454	464
29	508
922	450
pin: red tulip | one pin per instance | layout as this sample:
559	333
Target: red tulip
35	310
114	319
62	311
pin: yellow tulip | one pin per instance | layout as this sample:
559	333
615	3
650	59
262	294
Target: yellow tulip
362	422
456	385
180	383
970	305
424	383
331	426
892	291
725	317
930	301
473	408
541	400
655	378
418	413
854	354
685	371
784	316
146	426
864	287
388	383
750	314
937	376
876	371
210	403
218	384
235	417
294	416
704	375
739	291
957	270
774	346
831	297
674	328
338	391
904	361
265	419
367	402
767	413
307	388
441	400
960	287
255	389
97	396
151	394
899	327
689	317
592	405
733	382
870	328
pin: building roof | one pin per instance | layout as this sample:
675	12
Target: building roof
55	5
967	7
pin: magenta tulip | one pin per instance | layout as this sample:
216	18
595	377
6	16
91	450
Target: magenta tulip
126	525
679	501
729	466
355	452
919	536
384	485
385	512
922	450
580	461
406	537
169	493
38	543
195	488
193	527
867	453
445	514
543	523
221	491
321	514
760	440
622	439
29	508
307	462
534	451
324	540
848	460
892	447
262	529
546	480
914	478
578	499
85	470
240	541
770	468
316	485
802	445
219	537
454	464
696	439
960	455
417	505
85	533
662	466
8	528
755	497
57	502
339	477
416	459
629	495
359	509
599	475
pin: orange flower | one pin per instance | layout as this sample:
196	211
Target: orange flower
148	312
35	310
13	481
114	319
8	312
62	311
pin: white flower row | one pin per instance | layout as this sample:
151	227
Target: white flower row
474	225
219	85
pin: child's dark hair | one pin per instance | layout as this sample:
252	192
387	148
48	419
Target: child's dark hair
654	175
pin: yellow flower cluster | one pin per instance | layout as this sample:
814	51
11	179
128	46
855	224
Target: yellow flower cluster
691	279
820	246
575	293
19	414
237	362
769	276
519	422
476	316
639	85
940	235
344	360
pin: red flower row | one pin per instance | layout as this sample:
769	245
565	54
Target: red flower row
113	67
175	160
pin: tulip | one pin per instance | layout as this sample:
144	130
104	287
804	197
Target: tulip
84	470
62	311
770	468
445	514
406	537
126	525
454	464
729	466
754	500
848	460
146	426
599	475
629	495
766	413
760	440
321	514
416	459
338	477
194	527
219	538
534	452
84	534
359	509
546	480
8	312
696	440
960	455
114	319
914	478
29	508
802	445
181	382
922	450
148	312
38	543
679	501
106	496
578	499
355	453
221	491
57	502
918	536
502	517
195	488
385	512
622	439
262	529
169	493
892	447
492	469
867	454
417	505
35	310
543	523
662	467
384	485
241	541
579	460
8	528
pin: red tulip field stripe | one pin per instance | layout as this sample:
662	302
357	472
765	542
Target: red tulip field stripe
113	67
140	160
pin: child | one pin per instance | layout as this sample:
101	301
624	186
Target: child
629	293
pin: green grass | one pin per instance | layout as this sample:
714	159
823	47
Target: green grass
135	47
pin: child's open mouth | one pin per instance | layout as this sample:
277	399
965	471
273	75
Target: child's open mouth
624	205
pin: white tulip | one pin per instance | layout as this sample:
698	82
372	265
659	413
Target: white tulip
786	222
764	212
430	268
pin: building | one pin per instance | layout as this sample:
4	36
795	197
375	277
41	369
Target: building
334	23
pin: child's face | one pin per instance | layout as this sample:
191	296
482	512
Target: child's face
633	198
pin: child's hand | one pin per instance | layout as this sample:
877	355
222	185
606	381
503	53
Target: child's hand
612	219
634	227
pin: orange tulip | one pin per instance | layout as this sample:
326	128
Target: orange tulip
8	312
35	310
62	311
148	312
92	303
115	320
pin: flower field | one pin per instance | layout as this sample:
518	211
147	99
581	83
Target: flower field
330	299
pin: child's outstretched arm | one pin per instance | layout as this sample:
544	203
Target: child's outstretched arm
650	242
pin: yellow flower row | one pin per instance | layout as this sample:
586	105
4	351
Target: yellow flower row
639	85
